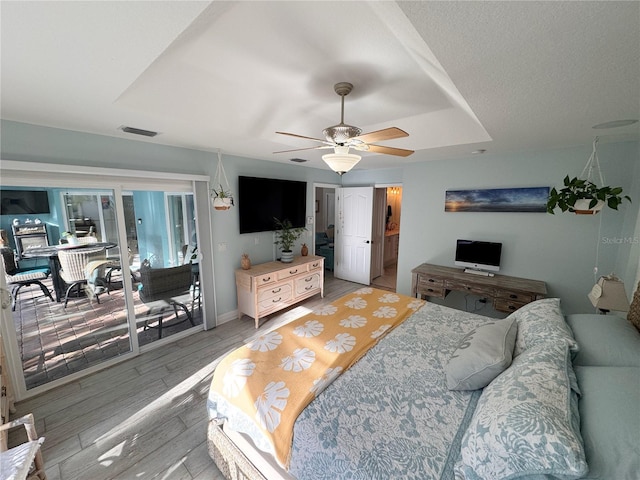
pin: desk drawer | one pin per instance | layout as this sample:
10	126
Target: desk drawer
518	297
432	291
469	288
507	306
429	282
317	265
266	279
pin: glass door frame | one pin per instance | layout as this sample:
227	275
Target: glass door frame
120	182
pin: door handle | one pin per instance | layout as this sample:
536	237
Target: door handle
367	241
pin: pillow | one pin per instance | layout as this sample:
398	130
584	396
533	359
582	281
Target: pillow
541	322
610	421
482	355
525	423
605	340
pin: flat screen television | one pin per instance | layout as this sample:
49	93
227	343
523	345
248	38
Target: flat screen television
478	256
23	202
260	200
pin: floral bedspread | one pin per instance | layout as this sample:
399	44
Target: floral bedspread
261	388
391	416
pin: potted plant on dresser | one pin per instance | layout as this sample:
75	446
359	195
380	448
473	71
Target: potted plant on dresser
286	235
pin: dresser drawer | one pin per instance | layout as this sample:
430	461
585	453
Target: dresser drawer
307	284
276	301
291	271
266	293
481	290
266	279
507	306
518	297
317	265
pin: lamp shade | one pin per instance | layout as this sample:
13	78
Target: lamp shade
609	294
341	161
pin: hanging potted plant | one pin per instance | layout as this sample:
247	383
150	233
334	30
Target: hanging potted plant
581	195
286	235
221	197
584	197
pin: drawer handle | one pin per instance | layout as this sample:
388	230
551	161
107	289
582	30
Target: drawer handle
430	290
266	279
308	279
431	280
308	287
315	265
276	301
277	291
511	307
513	296
468	288
293	271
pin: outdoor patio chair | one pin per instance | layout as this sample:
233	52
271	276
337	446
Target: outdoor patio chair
73	267
25	460
163	289
22	277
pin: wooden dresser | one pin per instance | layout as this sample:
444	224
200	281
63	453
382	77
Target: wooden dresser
272	286
506	293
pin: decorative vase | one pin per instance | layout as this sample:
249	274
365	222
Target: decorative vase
581	207
245	262
304	251
222	203
287	256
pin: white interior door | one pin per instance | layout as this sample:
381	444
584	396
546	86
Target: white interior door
352	247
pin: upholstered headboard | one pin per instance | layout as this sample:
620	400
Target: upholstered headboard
634	310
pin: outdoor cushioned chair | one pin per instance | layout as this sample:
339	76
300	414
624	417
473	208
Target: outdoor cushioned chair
22	277
163	289
25	460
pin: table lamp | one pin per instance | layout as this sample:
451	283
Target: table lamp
609	294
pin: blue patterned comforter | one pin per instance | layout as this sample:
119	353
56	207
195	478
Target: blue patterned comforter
391	416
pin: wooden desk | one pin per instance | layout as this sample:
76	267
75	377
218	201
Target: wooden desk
506	293
269	287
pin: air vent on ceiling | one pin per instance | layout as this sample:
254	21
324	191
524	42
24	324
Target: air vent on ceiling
298	160
138	131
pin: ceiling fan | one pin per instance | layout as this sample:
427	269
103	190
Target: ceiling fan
342	137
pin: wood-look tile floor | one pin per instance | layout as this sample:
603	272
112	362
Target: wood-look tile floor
146	418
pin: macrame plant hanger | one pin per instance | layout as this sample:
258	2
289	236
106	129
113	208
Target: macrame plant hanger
592	163
221	193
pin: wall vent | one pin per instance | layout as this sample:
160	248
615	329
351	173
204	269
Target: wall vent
138	131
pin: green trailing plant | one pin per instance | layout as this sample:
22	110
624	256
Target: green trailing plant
579	189
222	193
286	234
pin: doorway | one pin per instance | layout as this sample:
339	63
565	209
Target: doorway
390	198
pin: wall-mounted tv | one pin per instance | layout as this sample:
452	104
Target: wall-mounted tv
23	202
260	200
478	256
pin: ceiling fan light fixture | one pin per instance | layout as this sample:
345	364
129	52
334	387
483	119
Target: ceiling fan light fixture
341	133
342	161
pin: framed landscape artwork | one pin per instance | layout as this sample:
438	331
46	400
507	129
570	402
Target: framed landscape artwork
527	199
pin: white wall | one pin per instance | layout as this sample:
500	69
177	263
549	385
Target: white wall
559	249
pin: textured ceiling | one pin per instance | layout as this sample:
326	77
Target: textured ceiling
457	76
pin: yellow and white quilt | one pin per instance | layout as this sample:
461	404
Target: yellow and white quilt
262	387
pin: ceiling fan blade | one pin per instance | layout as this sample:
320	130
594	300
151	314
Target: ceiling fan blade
400	152
307	138
382	135
300	149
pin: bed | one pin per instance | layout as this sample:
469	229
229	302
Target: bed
446	394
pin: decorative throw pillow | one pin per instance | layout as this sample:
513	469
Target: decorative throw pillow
526	421
540	322
482	355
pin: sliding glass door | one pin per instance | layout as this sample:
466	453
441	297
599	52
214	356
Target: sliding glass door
122	268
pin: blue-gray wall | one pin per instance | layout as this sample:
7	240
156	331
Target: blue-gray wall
559	249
